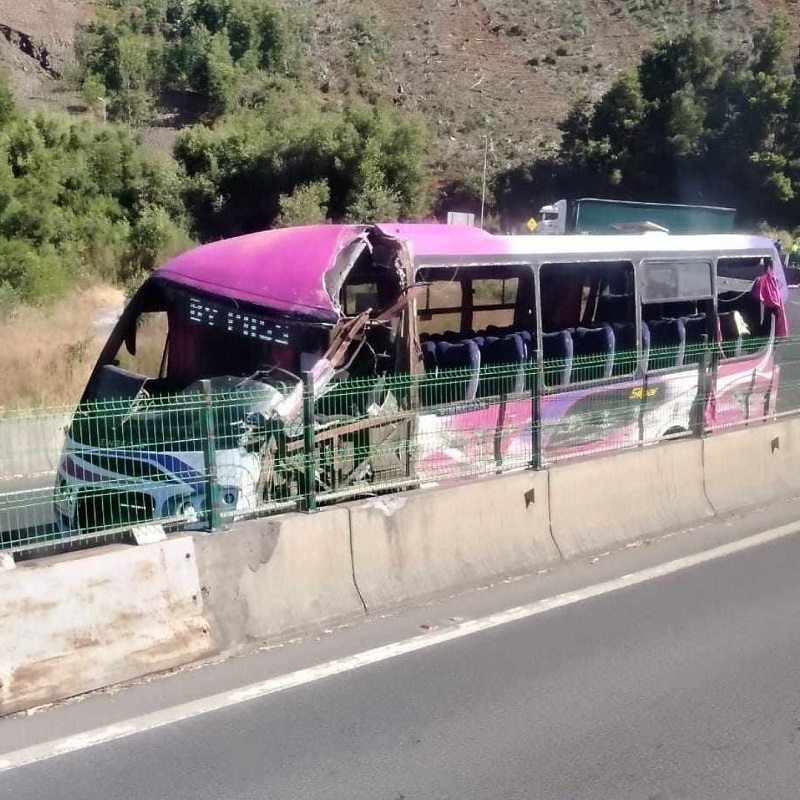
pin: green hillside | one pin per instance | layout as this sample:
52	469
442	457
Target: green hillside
159	122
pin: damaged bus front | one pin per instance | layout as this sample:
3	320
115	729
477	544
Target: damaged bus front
198	393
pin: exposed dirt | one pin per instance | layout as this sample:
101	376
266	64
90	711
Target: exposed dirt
509	70
504	70
36	46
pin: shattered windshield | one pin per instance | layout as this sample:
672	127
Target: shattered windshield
173	338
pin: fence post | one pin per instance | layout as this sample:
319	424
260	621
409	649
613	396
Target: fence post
209	434
536	415
309	449
643	407
702	388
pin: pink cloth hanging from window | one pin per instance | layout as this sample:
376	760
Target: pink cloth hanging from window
767	292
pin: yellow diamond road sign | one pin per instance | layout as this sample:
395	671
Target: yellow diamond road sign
532	225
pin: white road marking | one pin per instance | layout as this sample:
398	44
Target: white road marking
206	705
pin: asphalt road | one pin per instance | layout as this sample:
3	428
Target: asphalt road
682	687
26	509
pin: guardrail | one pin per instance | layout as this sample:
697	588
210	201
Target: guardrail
202	460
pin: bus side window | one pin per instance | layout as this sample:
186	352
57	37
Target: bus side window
588	309
744	324
677	310
439	307
496	299
480	321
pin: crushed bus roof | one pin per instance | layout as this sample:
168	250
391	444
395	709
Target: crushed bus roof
285	268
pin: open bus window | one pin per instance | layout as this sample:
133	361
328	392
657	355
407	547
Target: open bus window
439	306
586	293
677	311
744	323
479	320
494	302
588	321
143	350
475	299
740	269
677	332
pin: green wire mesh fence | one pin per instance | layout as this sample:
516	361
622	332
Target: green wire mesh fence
204	459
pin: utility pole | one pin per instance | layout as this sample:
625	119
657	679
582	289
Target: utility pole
483	185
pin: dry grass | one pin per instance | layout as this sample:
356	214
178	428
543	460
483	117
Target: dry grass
46	355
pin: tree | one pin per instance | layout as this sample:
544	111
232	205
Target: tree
372	200
93	91
691	124
771	44
693	59
204	47
8	107
216	76
306	205
359	152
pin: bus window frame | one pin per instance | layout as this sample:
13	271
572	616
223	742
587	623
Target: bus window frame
571	258
526	274
468	307
711	299
731	285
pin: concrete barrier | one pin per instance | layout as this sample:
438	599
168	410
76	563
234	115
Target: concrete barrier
279	575
31	445
605	502
410	546
77	622
752	466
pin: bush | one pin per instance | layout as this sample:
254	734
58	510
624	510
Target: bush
306	205
692	124
241	173
77	203
135	49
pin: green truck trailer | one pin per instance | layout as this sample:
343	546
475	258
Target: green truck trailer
592	215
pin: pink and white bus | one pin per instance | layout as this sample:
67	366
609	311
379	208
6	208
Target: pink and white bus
613	341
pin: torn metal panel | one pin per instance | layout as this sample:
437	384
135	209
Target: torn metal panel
345	261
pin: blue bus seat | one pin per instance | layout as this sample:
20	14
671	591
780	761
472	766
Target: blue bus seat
592	344
668	337
613	308
508	351
463	356
429	355
695	327
557	354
